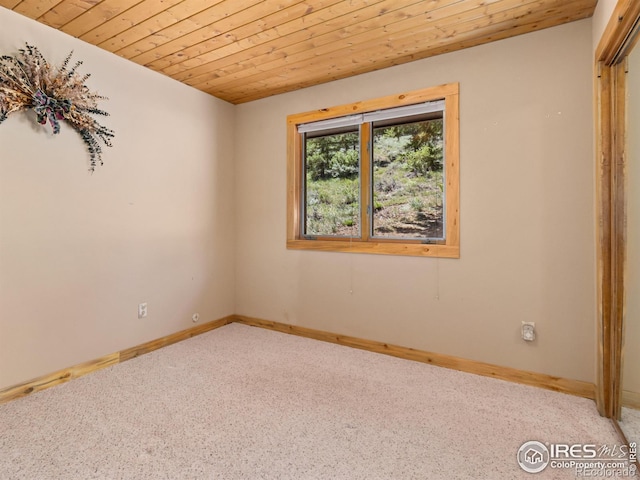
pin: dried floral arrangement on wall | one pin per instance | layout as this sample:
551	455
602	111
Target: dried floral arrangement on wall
28	81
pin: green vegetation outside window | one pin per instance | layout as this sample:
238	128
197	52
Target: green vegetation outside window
377	177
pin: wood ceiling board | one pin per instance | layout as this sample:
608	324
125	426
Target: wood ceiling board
294	33
179	52
35	8
154	24
66	11
255	92
195	43
202	19
10	4
126	20
418	28
243	50
267	43
97	15
268	22
323	70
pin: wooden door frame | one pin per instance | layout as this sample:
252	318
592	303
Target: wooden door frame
610	104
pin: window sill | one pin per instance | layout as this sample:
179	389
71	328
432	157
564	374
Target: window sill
380	248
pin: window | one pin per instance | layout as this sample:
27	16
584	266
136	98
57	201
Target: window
379	176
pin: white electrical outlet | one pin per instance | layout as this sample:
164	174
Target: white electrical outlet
195	317
528	331
142	310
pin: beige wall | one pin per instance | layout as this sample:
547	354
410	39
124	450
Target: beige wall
631	372
600	19
78	252
527	215
158	223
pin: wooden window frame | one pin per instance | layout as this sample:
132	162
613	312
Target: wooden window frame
449	248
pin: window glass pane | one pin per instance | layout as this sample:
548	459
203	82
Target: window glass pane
332	186
408	188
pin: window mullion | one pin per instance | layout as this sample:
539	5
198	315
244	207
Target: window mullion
365	181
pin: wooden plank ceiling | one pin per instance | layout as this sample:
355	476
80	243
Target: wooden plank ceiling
243	50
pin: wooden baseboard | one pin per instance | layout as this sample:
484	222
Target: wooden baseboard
62	376
56	378
541	380
174	338
631	399
573	387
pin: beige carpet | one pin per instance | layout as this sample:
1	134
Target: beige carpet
246	403
630	424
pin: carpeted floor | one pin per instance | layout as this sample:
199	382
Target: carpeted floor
247	403
630	424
